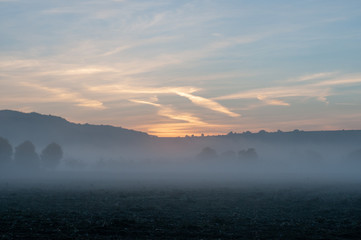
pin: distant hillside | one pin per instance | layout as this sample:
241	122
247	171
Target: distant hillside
297	136
43	129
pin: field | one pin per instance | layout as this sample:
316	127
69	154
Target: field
85	210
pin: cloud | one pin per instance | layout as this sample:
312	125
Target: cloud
148	47
207	103
145	102
270	95
169	112
86	70
118	49
63	95
180	91
124	88
43	68
61	10
16	64
173	114
315	76
340	81
272	101
319	90
160	61
139	43
51	67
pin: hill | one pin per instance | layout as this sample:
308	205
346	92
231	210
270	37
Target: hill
98	141
43	129
300	137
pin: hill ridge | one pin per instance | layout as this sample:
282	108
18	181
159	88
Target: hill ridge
19	126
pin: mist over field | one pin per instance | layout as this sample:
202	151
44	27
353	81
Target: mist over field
59	179
48	149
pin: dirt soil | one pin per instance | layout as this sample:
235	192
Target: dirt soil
181	213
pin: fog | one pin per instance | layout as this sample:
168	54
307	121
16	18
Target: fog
45	149
186	188
188	162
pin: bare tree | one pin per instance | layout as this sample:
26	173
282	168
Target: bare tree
6	151
26	156
207	154
51	155
248	155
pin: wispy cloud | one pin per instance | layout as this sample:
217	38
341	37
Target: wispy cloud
274	93
145	102
124	88
63	95
315	76
193	55
51	67
16	64
319	90
180	91
86	71
139	43
171	113
275	102
339	82
61	10
207	103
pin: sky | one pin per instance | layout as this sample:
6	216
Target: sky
178	67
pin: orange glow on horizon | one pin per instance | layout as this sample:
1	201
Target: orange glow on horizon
183	129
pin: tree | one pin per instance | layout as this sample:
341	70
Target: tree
248	155
6	151
207	154
51	155
26	156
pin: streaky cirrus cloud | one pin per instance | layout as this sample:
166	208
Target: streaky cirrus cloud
319	90
272	95
126	88
180	91
171	113
64	95
315	76
207	103
209	62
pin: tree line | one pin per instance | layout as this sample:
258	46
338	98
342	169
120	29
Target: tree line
208	153
25	155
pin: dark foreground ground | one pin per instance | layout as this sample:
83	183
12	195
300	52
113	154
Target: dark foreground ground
261	211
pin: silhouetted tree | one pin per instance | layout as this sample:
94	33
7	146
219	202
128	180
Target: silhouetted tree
26	156
249	154
6	151
51	155
207	154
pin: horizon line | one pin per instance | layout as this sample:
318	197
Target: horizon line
190	135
